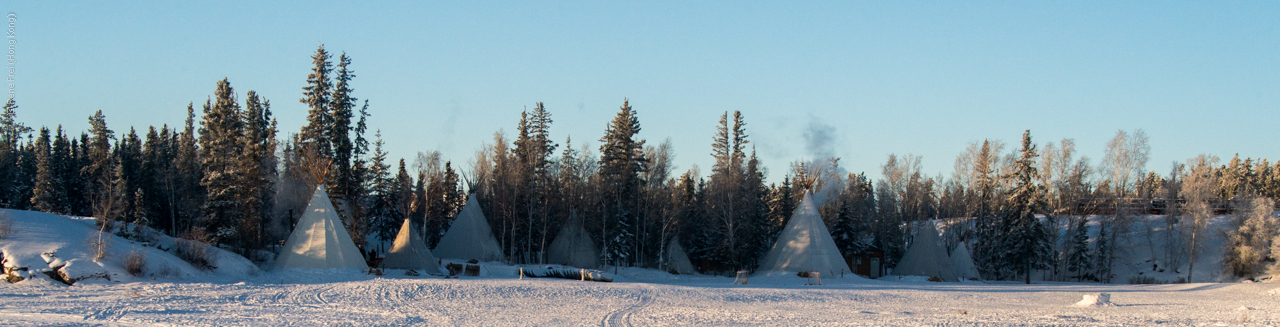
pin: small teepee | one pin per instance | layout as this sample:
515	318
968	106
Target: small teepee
926	257
410	252
678	259
963	263
805	245
469	237
319	240
573	247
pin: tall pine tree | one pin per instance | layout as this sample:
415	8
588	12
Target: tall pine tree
220	153
621	161
1025	239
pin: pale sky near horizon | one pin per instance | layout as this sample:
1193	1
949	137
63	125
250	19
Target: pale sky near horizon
857	80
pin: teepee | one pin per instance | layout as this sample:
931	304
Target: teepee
410	252
963	263
572	246
319	240
805	245
469	237
926	257
677	259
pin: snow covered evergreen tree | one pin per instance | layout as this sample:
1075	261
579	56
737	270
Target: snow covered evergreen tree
1025	240
257	169
220	153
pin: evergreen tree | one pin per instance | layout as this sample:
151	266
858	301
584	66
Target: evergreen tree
317	96
1079	260
11	135
48	189
341	181
99	167
188	176
220	151
621	162
384	210
257	168
1026	241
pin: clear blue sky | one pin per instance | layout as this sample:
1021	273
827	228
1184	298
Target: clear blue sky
881	77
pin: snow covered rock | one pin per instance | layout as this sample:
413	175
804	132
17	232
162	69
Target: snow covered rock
59	248
1095	300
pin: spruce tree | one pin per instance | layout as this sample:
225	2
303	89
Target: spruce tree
341	179
1025	240
257	166
1080	261
99	159
621	161
11	134
220	153
189	173
46	193
316	95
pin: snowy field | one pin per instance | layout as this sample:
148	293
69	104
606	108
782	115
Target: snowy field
352	299
237	293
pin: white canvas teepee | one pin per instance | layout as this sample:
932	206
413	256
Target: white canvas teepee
963	263
572	246
469	237
410	252
319	240
678	259
805	245
926	257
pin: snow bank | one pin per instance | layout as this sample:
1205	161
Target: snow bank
1095	300
44	243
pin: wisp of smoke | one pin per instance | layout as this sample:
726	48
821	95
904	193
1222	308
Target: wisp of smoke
819	139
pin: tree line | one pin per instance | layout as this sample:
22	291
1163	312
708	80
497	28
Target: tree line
228	177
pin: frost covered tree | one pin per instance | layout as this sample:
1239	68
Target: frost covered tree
1025	240
1198	188
220	153
1248	242
257	168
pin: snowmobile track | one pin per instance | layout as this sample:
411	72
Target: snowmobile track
622	317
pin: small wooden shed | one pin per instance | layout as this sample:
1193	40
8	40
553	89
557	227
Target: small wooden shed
868	263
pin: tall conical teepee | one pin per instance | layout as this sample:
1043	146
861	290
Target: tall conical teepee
319	240
805	245
963	263
410	252
926	257
678	259
573	247
469	237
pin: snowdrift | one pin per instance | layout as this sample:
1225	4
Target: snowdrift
45	246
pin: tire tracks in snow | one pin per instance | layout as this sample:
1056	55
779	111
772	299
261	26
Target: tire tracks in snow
622	317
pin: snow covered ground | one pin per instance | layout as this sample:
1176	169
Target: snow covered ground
238	294
337	298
